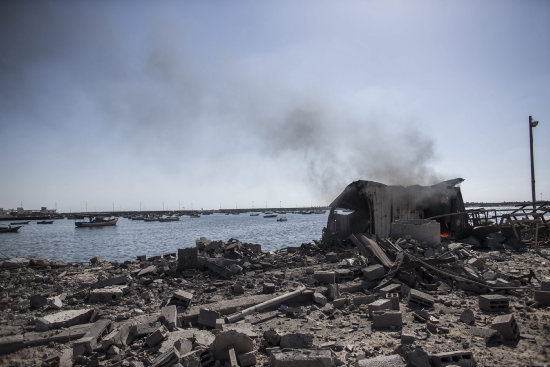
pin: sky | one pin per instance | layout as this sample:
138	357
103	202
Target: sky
224	104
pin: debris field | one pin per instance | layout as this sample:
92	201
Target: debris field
364	302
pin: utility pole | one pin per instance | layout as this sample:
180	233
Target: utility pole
532	124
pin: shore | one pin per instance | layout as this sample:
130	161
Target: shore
229	303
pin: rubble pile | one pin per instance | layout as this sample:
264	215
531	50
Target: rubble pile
365	302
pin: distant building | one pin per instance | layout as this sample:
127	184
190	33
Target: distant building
45	210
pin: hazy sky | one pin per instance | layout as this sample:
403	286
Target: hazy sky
245	103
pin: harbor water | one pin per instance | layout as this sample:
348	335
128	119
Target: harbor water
130	238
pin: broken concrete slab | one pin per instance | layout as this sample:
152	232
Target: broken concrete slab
15	262
157	336
169	317
89	342
382	361
302	358
241	342
63	319
420	298
296	340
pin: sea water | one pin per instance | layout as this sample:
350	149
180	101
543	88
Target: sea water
130	238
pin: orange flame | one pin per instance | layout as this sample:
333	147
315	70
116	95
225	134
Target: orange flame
445	234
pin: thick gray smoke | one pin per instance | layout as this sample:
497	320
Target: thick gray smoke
152	89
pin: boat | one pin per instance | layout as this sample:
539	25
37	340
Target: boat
9	229
17	223
151	219
282	219
270	215
195	215
45	222
254	214
169	219
97	222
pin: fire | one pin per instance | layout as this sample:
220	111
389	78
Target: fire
445	234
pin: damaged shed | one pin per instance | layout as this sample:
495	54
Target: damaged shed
372	207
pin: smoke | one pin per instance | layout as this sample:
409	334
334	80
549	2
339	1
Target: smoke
155	92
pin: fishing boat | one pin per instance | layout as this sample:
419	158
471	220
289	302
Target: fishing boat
97	222
254	214
45	222
282	219
270	215
9	229
18	223
169	219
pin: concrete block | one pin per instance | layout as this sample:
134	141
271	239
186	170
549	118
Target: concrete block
393	360
339	302
169	317
507	326
542	298
38	301
333	291
157	337
167	358
187	259
457	358
119	337
387	319
493	303
181	298
302	358
296	340
420	298
491	336
247	359
269	288
325	277
208	317
422	230
319	299
363	299
121	280
394	298
374	272
90	341
391	288
108	294
378	305
150	270
63	319
343	275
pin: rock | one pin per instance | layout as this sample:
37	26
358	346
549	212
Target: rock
96	260
38	301
272	336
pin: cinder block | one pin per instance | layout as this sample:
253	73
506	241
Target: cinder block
344	275
378	305
387	319
542	298
333	291
157	337
181	298
394	298
391	288
493	303
108	294
269	288
325	277
374	272
420	298
507	326
458	358
208	317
